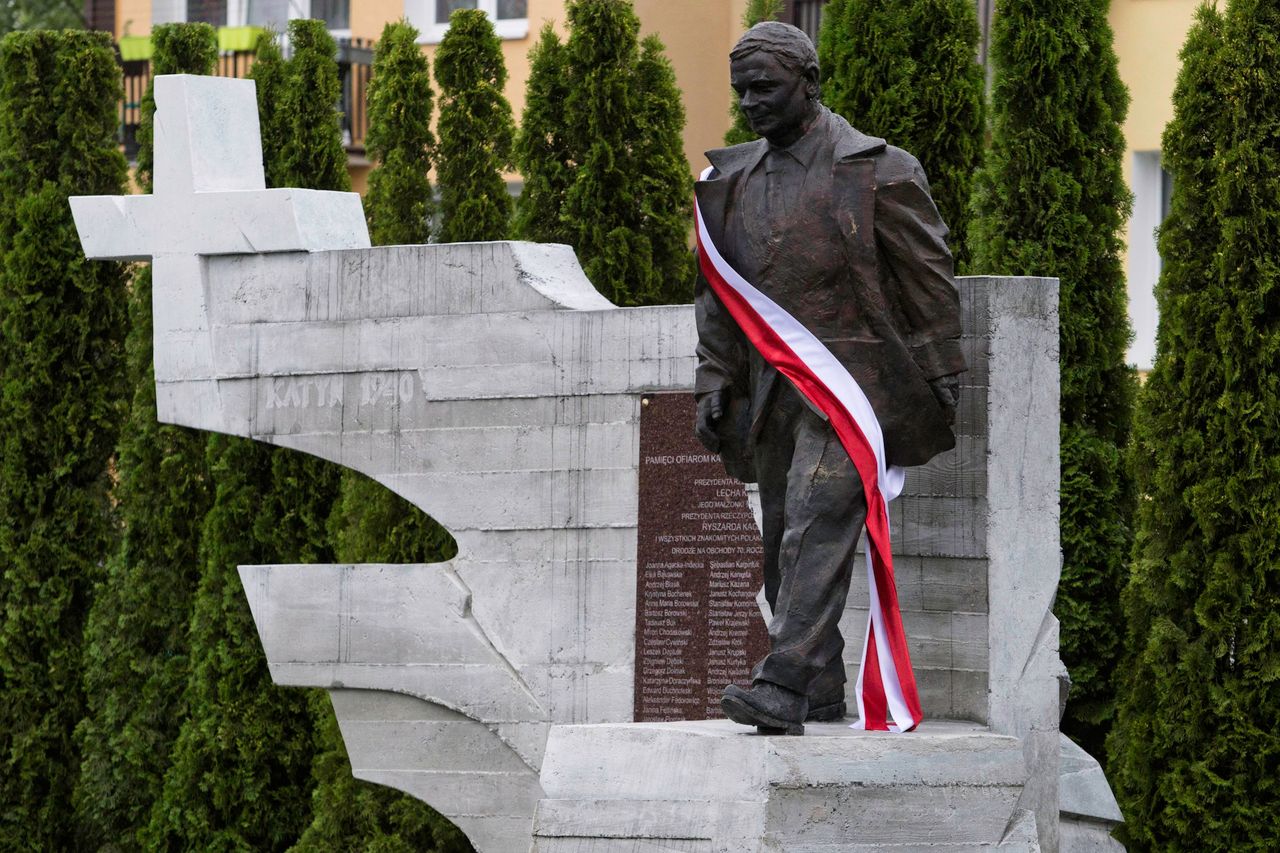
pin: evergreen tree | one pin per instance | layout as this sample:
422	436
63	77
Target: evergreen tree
399	204
136	636
906	70
40	15
1051	201
312	153
476	131
616	219
542	148
240	772
268	75
1197	738
665	187
62	400
756	12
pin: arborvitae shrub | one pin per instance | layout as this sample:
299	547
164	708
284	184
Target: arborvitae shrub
62	400
906	70
476	131
1197	739
664	184
268	75
176	49
621	224
542	147
399	142
312	150
136	650
1051	201
240	774
756	11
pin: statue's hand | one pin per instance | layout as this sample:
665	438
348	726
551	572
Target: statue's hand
710	410
947	391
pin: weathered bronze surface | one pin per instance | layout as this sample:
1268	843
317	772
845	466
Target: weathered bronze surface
839	229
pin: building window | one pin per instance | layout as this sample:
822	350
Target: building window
1152	189
276	14
805	14
207	12
100	15
431	17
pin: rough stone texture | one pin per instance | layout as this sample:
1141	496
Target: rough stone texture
492	386
1089	812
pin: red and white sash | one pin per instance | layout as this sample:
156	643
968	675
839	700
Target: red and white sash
886	686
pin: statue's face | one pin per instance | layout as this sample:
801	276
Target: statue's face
775	100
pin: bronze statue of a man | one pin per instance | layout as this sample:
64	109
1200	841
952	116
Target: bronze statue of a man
839	230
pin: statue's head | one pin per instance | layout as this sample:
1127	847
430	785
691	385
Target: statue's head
774	70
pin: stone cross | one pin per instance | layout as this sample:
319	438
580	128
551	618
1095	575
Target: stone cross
210	199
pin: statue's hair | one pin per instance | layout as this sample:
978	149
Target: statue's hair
789	45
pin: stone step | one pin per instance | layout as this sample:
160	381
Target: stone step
715	786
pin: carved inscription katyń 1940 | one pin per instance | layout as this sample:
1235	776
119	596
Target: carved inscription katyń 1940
698	626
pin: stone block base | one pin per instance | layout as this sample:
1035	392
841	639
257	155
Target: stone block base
716	787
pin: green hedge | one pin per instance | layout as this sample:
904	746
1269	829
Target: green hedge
906	70
1051	201
399	205
476	131
1197	741
136	647
62	400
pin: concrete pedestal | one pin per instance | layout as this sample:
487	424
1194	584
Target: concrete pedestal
715	787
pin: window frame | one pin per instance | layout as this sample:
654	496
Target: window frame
238	14
422	14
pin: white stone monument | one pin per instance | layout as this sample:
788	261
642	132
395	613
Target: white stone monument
491	385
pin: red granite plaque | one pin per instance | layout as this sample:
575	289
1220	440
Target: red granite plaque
698	626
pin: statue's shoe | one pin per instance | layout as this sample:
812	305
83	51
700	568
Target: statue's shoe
771	708
826	695
830	711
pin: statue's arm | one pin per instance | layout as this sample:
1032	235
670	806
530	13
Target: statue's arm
913	238
721	353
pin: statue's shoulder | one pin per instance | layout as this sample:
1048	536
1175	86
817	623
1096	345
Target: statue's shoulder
849	142
895	165
735	158
892	164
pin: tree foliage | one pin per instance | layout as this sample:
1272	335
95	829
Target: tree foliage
542	146
240	773
621	104
476	131
1051	201
136	649
907	71
268	74
62	400
399	205
1197	738
312	152
756	12
41	15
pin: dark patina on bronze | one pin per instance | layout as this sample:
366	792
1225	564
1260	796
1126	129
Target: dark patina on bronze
839	229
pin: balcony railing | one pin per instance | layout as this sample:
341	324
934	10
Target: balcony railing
355	61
